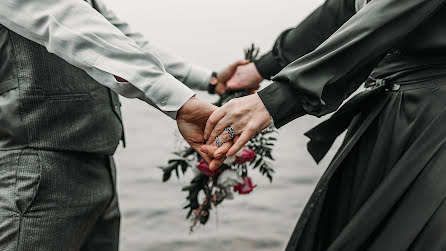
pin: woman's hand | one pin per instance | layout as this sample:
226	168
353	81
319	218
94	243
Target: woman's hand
247	116
227	73
245	77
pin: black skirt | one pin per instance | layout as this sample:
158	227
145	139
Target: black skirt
386	187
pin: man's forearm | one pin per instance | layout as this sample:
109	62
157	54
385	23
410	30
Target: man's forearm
74	31
194	76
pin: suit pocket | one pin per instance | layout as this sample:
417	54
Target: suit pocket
28	176
13	133
8	85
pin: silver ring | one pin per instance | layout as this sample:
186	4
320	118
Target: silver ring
230	131
217	141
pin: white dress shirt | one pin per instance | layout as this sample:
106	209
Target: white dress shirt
103	46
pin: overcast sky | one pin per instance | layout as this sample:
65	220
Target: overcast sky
212	33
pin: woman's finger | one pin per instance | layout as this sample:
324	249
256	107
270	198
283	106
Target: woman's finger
241	142
218	129
215	117
234	82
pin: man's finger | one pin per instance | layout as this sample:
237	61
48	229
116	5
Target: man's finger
240	143
215	117
209	149
216	163
206	157
222	150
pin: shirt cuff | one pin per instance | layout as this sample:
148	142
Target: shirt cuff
198	78
282	102
268	65
169	95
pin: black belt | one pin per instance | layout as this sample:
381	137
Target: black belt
323	135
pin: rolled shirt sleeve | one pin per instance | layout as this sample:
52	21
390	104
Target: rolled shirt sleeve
77	33
325	77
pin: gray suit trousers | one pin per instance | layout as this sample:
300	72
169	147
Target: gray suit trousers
57	201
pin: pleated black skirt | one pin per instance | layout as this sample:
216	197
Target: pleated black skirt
386	187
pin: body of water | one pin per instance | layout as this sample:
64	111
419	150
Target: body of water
211	33
152	215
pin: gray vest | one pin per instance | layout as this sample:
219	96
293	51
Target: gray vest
46	103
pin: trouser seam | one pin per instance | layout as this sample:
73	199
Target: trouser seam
19	232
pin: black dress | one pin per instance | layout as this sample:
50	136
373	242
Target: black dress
385	189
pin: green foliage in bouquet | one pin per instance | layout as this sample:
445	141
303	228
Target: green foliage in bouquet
232	176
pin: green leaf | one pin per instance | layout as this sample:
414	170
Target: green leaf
258	162
268	155
166	176
184	166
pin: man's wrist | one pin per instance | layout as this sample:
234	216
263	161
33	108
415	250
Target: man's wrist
169	95
186	108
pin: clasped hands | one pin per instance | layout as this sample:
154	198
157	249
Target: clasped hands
200	122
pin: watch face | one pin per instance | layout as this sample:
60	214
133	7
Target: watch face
213	81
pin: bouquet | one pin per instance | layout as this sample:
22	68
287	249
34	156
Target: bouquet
232	177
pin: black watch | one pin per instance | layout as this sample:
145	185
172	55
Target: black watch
213	83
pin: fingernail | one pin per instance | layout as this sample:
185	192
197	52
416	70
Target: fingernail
218	156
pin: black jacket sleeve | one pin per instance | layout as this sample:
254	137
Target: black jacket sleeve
315	29
323	78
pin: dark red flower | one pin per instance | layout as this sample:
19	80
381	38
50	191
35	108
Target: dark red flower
247	155
203	167
245	187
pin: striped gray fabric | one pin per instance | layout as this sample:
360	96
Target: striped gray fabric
52	201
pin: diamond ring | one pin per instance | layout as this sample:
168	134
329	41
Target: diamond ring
230	131
231	134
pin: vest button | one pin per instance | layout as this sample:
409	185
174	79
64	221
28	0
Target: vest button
164	102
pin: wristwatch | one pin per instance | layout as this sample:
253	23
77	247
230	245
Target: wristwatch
213	83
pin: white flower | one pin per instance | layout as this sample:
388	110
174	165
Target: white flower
229	161
229	178
229	193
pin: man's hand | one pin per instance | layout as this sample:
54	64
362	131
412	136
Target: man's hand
191	121
245	77
226	74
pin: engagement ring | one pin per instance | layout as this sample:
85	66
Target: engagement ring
217	141
230	131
